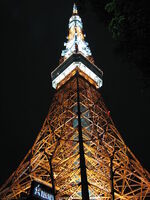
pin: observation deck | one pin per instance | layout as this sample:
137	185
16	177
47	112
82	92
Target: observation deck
76	62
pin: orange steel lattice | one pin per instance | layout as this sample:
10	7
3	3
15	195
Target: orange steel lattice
112	171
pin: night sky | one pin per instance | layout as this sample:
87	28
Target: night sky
33	37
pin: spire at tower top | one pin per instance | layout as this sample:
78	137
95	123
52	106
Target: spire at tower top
76	38
75	10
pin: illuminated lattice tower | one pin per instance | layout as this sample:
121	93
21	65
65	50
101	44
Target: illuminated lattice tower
79	153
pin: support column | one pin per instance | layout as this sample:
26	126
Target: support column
112	176
84	182
51	174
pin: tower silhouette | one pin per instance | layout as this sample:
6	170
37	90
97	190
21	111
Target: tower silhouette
79	153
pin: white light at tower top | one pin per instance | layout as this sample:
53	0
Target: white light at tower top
76	37
77	57
75	10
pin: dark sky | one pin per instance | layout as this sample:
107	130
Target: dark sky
33	36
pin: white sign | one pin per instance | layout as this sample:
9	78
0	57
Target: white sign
44	195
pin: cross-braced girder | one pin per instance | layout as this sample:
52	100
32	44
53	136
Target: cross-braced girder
59	142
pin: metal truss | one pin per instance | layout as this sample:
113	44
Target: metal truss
79	142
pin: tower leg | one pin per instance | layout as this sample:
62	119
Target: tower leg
112	175
51	174
84	182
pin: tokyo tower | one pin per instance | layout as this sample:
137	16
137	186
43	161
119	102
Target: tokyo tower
79	153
